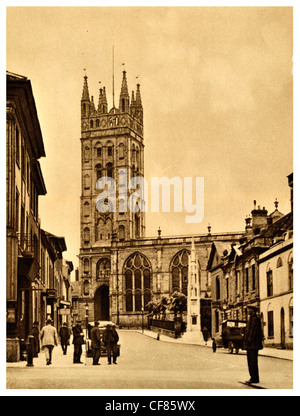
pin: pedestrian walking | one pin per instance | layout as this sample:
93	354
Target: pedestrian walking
110	340
49	340
205	334
96	343
115	344
253	342
78	341
214	345
64	334
36	334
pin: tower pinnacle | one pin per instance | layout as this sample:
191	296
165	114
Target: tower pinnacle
124	96
85	91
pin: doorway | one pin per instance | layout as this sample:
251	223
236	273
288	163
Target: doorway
282	329
101	304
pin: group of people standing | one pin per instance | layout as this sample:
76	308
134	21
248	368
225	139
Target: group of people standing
110	341
49	339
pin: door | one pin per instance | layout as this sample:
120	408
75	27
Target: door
282	329
101	304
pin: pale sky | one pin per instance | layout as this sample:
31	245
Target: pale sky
217	92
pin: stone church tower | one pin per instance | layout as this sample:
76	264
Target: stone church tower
112	146
112	155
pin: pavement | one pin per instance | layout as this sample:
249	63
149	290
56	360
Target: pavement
195	338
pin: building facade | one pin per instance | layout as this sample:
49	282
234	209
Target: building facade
33	256
276	292
256	271
120	269
25	183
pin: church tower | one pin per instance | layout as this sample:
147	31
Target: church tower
112	147
111	202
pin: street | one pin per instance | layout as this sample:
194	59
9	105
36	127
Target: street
146	363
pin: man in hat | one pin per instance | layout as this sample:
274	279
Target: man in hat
64	334
110	339
49	340
253	343
78	340
96	343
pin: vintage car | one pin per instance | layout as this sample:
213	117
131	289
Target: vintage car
232	335
102	327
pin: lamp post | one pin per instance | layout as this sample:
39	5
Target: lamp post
142	320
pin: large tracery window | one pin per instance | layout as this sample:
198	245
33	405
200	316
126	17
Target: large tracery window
180	271
137	272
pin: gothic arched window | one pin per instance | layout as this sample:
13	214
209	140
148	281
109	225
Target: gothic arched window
137	281
98	149
180	271
86	288
86	235
98	169
86	266
103	269
109	170
86	181
121	151
133	154
137	224
137	154
86	209
121	233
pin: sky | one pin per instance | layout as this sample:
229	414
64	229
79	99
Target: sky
217	93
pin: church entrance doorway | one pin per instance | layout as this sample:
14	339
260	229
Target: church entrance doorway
101	304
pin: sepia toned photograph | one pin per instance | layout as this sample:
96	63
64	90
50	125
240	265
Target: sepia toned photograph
149	202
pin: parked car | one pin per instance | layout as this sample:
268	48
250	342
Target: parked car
102	327
232	335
